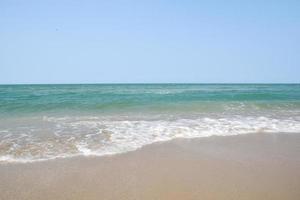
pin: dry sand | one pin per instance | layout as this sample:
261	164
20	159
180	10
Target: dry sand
254	166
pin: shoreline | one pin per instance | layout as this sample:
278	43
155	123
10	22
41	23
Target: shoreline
251	166
100	156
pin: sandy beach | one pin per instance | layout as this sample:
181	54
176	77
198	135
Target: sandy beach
253	166
149	100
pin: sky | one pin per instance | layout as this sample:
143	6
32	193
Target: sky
154	41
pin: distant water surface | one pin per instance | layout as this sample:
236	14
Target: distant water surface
40	122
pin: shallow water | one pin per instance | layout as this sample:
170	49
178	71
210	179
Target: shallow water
39	122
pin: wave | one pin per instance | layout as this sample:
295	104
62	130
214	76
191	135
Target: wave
47	138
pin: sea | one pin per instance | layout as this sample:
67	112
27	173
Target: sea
42	122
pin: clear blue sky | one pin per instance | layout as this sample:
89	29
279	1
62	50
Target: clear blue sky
84	41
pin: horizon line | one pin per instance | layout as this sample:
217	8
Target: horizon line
154	83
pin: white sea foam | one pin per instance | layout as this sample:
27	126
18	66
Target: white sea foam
73	136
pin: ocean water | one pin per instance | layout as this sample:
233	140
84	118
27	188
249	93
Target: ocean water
41	122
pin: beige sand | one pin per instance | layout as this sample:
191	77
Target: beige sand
254	166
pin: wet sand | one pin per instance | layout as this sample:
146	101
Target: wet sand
254	166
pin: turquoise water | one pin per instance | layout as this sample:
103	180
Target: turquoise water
39	122
32	99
